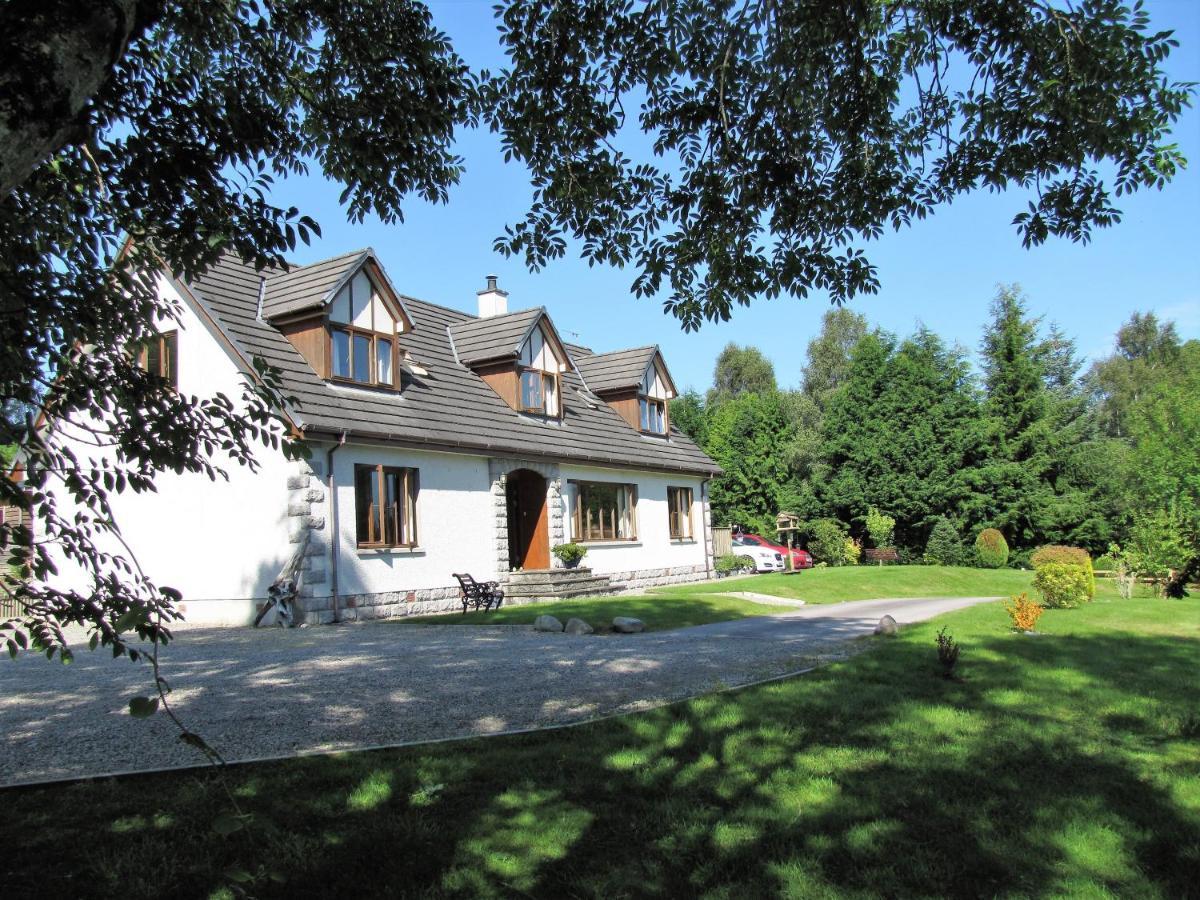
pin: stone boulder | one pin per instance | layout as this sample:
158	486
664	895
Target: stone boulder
547	623
887	625
578	626
626	625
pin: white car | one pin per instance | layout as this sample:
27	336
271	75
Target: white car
765	559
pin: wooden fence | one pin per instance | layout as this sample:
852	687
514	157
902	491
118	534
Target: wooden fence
722	538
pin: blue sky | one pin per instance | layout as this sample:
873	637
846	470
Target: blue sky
942	272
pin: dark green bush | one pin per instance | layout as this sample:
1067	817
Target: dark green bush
731	562
991	549
827	541
945	547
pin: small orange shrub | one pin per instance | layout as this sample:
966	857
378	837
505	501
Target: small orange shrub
1023	612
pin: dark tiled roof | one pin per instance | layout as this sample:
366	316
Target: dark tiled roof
618	369
450	408
305	287
497	337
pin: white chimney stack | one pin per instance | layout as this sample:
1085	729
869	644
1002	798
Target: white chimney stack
492	300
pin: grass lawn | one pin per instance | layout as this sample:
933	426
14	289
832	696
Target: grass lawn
698	604
1065	763
874	582
658	612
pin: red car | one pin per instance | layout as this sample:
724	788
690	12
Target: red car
801	559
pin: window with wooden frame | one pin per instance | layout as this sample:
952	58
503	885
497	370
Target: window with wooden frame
362	335
605	511
679	506
652	402
159	355
385	506
538	373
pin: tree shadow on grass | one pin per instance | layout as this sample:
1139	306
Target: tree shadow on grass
872	778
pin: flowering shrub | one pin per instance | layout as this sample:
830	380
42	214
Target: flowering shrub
1023	612
991	549
1063	586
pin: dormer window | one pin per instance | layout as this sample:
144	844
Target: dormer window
539	375
652	402
362	332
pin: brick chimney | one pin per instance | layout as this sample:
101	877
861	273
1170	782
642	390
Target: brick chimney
492	300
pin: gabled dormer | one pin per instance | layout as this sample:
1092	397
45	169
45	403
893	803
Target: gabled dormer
519	355
635	383
344	316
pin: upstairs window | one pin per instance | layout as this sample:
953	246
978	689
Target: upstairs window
679	505
652	402
538	370
385	504
159	355
362	331
605	511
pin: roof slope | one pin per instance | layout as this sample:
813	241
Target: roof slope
615	370
450	408
497	337
304	287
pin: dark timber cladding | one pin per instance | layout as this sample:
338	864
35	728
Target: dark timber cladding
449	408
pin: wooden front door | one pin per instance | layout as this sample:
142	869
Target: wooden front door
528	521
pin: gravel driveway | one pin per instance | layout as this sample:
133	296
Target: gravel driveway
275	693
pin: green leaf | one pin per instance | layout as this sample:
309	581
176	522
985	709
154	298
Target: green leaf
227	823
143	707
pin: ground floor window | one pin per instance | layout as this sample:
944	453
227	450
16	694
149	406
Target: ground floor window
679	505
605	511
385	504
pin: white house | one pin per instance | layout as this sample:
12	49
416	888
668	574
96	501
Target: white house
441	442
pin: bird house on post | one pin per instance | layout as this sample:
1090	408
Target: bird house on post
786	526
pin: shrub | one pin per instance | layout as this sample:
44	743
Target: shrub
947	650
880	527
1023	612
1060	554
827	541
731	562
944	547
1106	562
1062	585
569	554
1067	556
852	551
1020	559
991	549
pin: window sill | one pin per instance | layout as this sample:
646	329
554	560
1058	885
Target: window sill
683	540
390	551
619	543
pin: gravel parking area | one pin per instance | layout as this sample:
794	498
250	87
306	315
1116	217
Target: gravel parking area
275	693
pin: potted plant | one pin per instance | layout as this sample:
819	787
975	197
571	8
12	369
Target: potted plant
569	554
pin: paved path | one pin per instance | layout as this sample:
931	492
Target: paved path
271	693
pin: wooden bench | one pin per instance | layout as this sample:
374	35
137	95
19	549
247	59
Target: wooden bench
884	555
481	595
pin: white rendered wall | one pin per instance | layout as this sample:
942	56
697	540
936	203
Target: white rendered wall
654	548
455	523
219	543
